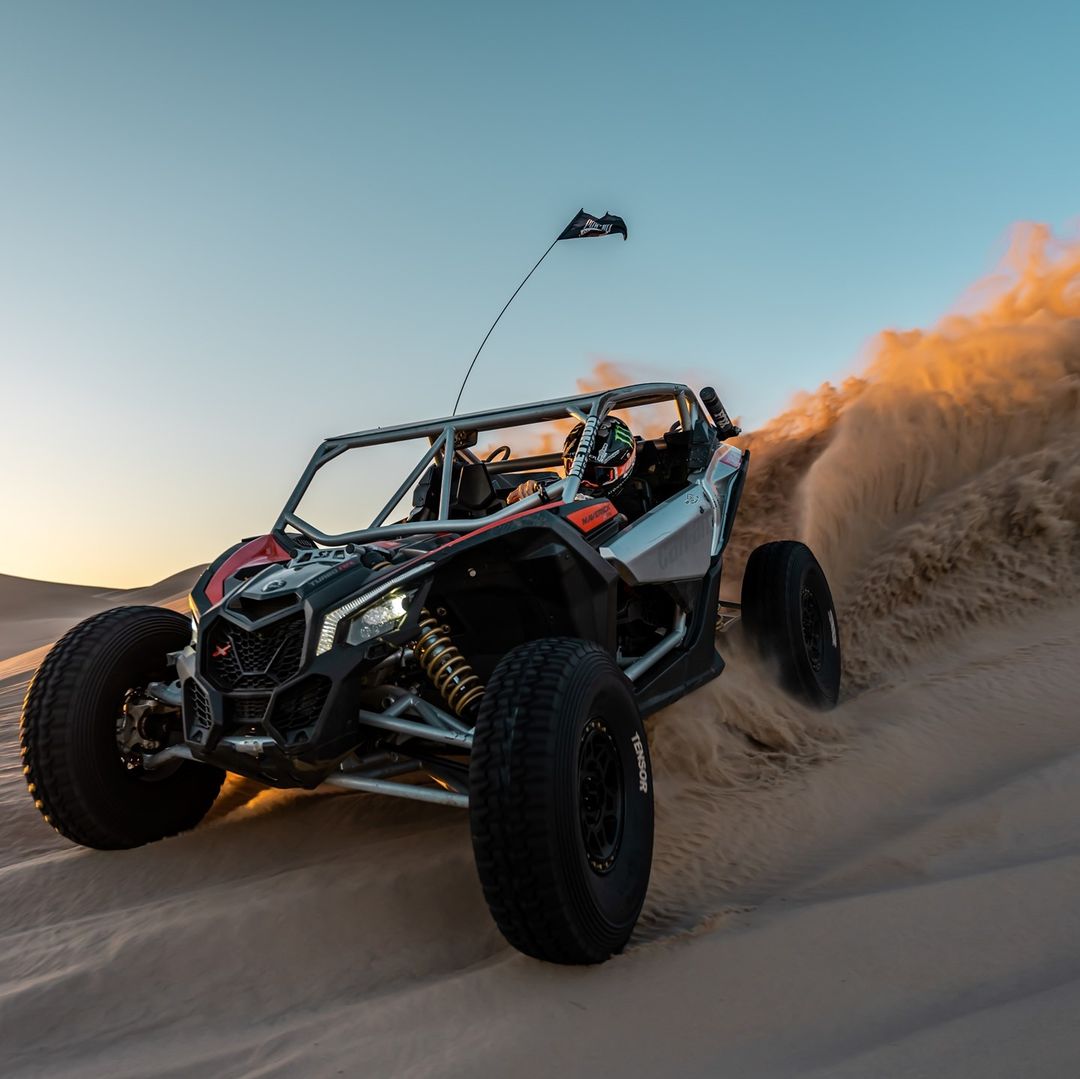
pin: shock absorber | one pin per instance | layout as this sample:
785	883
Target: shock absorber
449	671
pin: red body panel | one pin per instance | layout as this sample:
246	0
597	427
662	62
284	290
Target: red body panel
589	517
257	552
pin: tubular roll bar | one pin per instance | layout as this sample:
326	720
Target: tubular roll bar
588	408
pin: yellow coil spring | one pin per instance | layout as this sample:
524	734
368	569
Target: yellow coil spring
447	668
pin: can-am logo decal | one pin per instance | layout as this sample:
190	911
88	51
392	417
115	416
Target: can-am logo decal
642	768
688	543
221	650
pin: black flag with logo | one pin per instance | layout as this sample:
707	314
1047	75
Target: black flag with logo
587	225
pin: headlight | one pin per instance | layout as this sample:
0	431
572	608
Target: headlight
381	610
385	616
194	620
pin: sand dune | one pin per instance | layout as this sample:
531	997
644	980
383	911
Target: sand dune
34	613
906	907
887	889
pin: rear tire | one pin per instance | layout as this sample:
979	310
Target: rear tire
789	615
560	803
71	759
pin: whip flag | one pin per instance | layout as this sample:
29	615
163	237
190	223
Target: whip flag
581	226
587	225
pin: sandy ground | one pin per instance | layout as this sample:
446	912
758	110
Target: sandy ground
907	907
886	890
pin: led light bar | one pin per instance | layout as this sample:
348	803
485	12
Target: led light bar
328	632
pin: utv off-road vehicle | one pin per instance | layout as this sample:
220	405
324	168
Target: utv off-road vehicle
459	650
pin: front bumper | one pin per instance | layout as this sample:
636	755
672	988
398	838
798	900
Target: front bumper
262	681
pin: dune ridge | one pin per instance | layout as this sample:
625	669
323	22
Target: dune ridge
35	613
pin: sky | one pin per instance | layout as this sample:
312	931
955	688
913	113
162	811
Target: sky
228	230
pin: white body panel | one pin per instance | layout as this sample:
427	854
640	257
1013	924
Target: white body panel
678	539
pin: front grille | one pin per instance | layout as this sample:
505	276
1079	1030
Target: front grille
197	715
255	659
245	711
300	706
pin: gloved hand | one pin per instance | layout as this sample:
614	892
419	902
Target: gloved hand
522	490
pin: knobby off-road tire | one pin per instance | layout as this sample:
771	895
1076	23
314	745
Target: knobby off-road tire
71	759
788	613
561	801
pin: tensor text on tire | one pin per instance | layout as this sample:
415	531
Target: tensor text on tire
643	770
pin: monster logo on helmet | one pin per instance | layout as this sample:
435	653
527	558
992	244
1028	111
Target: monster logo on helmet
611	460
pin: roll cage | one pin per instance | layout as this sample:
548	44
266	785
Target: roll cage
461	433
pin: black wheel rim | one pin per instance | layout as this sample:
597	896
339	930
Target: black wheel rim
600	796
813	629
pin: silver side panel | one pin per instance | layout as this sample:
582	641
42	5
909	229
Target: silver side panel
720	478
678	539
670	543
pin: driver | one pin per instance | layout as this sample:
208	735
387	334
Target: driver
607	469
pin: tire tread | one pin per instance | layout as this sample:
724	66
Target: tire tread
47	734
512	836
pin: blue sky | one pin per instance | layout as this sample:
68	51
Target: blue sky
230	229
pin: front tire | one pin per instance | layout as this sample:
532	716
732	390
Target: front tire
789	615
71	759
561	802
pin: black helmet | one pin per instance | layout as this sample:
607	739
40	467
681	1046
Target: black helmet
612	459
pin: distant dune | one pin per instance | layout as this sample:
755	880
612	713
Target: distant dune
34	613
